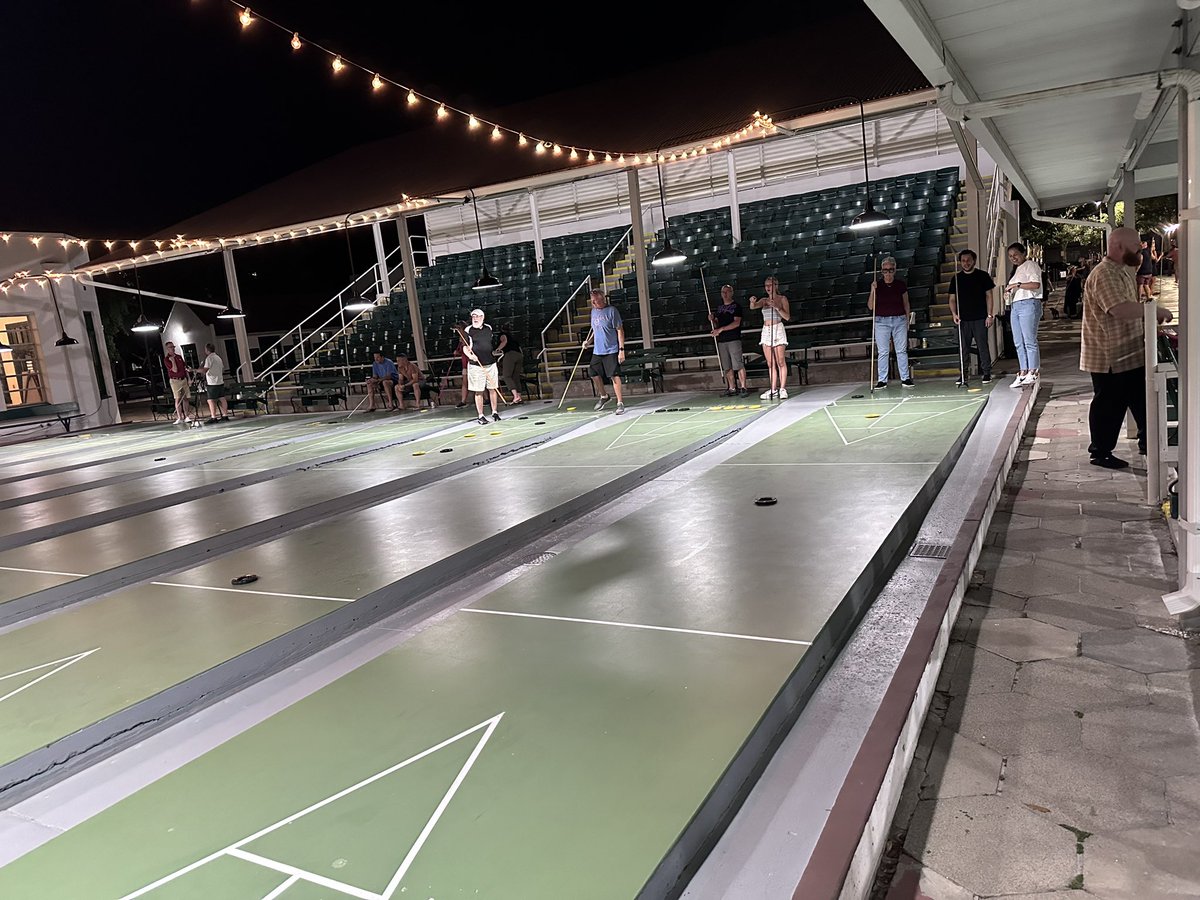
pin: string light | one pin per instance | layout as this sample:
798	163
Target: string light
246	18
296	45
541	147
574	154
496	133
337	64
441	111
376	82
412	98
521	140
472	122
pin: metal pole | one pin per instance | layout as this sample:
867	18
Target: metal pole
245	368
385	283
410	288
639	259
538	253
735	216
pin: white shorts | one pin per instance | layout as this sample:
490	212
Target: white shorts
481	378
774	335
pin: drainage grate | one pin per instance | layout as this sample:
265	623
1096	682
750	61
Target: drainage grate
542	558
929	550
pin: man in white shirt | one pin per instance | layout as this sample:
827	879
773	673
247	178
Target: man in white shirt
214	380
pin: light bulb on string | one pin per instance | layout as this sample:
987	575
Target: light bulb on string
557	150
574	154
541	147
296	45
245	17
412	98
441	111
337	64
496	135
376	82
472	122
591	156
608	157
521	140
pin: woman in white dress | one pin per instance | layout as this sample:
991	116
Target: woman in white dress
776	311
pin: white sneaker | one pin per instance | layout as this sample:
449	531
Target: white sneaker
766	395
177	422
1031	379
783	393
1019	381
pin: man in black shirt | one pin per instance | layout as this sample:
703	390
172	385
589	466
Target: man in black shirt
481	365
727	329
971	305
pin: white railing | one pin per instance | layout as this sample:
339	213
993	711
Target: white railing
995	207
297	331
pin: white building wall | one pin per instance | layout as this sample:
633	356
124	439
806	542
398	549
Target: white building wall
69	372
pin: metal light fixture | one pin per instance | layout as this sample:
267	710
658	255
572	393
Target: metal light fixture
868	218
362	304
66	340
486	279
668	255
231	312
143	325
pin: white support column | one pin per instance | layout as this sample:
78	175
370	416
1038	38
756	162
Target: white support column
245	371
639	259
735	216
385	283
1127	196
1186	601
538	253
410	288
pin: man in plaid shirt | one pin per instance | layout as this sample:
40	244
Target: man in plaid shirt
1113	347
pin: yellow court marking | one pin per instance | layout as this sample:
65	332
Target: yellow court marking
871	416
572	408
495	432
469	434
740	406
974	390
419	453
756	406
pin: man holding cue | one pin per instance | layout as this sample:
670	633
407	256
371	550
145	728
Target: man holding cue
727	329
482	372
608	350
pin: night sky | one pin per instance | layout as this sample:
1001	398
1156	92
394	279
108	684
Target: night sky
127	116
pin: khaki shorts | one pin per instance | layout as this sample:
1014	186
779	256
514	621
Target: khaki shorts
481	378
179	388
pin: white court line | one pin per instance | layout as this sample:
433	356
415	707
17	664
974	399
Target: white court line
857	465
664	429
60	664
297	873
834	423
914	422
198	587
283	887
235	590
740	637
875	422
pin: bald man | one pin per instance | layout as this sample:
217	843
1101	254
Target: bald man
1113	347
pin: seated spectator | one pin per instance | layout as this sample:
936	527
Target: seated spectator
408	376
384	378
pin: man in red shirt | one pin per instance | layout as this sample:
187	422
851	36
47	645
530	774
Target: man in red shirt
177	376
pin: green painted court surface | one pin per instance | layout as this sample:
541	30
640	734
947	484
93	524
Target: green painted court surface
551	739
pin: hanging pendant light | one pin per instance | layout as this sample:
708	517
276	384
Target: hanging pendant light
66	340
357	303
231	312
668	255
869	218
143	325
486	279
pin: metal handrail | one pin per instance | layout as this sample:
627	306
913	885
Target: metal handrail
299	325
333	337
621	240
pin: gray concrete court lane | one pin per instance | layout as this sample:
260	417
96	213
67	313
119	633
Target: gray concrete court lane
580	736
178	455
148	637
70	556
162	486
84	449
367	550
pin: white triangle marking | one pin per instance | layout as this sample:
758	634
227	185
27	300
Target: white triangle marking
487	726
59	665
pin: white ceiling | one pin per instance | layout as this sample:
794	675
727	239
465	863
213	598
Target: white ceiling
1059	152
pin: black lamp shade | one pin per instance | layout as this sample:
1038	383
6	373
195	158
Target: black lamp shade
145	325
869	218
231	312
485	281
668	255
65	341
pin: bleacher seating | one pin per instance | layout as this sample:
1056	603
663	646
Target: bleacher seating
804	240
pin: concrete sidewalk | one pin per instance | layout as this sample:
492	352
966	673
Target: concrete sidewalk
1061	756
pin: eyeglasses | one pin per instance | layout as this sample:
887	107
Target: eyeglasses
888	269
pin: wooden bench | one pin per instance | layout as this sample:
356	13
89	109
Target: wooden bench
40	413
320	389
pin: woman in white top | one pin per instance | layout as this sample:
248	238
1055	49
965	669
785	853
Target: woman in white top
774	340
1025	290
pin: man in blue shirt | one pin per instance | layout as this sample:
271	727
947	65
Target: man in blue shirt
384	378
608	349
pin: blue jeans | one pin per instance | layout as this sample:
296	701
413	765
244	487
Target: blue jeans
1026	314
889	331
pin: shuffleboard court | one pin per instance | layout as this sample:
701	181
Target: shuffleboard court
147	638
166	488
92	550
553	739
